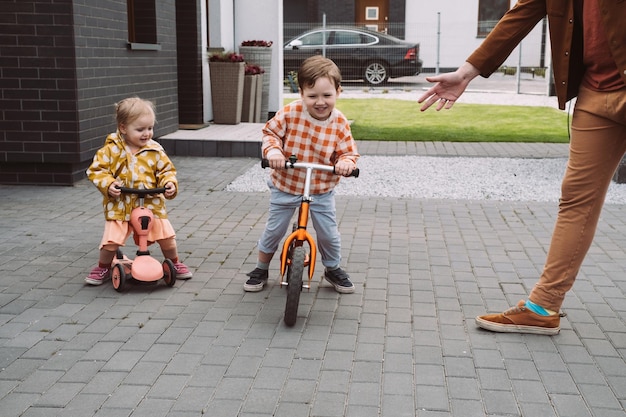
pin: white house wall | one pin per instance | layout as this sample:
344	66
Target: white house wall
234	21
263	20
457	34
221	24
207	111
221	36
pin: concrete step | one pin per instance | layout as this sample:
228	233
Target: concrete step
218	140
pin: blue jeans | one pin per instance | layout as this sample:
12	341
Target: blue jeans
323	217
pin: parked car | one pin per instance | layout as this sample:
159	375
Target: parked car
359	53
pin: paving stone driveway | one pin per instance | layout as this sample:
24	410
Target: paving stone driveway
404	344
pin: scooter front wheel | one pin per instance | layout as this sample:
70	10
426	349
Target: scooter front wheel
169	273
118	277
294	284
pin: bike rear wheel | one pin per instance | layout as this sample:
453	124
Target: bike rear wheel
294	284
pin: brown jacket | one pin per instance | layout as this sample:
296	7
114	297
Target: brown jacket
565	38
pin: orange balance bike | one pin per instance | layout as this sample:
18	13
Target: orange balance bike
295	257
144	268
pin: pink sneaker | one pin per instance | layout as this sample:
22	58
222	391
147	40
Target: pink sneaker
182	272
98	275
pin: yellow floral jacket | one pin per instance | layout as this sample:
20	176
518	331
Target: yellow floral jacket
150	167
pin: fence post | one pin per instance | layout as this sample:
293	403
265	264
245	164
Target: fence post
438	42
519	68
324	37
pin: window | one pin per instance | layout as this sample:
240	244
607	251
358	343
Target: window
489	13
314	39
347	38
371	13
142	29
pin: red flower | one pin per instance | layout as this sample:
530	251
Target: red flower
253	70
226	57
257	43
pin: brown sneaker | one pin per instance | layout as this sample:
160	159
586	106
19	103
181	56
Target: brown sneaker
520	319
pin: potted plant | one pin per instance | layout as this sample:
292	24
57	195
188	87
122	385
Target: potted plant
259	52
252	89
226	74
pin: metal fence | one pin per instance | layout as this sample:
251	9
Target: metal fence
443	49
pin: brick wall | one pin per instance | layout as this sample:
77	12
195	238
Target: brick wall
189	52
108	70
336	11
63	65
397	14
38	129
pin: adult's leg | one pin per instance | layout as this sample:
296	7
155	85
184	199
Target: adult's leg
597	145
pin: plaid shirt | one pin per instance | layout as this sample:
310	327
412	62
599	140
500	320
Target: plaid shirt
293	131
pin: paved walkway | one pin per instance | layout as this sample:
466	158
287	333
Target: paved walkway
404	344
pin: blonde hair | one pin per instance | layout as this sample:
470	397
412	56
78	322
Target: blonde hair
316	67
130	109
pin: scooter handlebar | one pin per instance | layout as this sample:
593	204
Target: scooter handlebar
265	163
142	191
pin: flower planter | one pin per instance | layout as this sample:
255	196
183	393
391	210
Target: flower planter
261	56
248	104
227	91
258	99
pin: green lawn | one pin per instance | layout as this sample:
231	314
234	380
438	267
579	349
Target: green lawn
401	120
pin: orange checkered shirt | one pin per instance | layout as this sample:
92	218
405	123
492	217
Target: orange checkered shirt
293	131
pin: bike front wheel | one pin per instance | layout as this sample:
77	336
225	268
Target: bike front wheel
294	284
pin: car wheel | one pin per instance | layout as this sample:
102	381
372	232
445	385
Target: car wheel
376	73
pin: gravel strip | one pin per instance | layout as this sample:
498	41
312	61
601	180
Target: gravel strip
456	178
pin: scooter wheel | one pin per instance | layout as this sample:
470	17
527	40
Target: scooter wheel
169	273
118	277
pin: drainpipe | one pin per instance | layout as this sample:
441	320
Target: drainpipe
234	26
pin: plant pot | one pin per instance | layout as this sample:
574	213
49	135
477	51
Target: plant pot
261	56
227	91
258	99
249	97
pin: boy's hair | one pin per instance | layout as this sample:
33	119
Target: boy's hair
130	109
316	67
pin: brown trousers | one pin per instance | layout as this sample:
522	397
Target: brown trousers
598	143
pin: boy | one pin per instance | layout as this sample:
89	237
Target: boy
314	131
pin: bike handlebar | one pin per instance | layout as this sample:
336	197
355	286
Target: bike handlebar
142	191
265	163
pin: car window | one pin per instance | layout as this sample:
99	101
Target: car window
312	39
347	37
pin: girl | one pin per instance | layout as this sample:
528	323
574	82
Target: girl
130	158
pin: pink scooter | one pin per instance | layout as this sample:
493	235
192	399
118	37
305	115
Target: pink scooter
144	268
